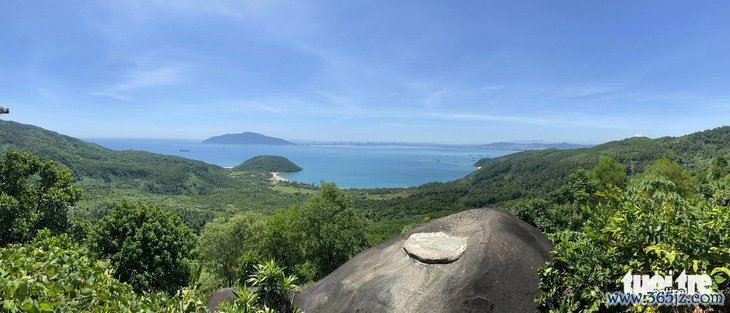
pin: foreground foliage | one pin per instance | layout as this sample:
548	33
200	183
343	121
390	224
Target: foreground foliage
649	228
149	248
53	274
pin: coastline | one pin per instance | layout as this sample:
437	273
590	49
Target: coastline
275	178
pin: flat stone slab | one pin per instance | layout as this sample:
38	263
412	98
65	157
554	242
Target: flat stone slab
435	248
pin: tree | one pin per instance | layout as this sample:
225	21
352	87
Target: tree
683	181
325	231
33	195
148	247
286	243
719	168
225	245
608	172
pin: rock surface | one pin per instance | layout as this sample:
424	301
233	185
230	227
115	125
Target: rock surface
495	273
218	296
434	248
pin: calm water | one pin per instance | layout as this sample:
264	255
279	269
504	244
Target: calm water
348	166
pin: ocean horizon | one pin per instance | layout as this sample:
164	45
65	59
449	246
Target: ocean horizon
349	166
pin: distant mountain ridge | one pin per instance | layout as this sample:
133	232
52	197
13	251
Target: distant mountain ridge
512	146
523	146
247	138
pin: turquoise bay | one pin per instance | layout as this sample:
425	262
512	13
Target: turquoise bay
348	166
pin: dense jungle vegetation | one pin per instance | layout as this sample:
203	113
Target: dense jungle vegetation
91	229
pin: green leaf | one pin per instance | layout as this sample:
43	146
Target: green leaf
719	279
9	305
721	269
27	304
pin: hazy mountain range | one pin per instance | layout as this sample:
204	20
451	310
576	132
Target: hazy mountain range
251	138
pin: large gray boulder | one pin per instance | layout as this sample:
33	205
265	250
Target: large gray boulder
220	295
480	260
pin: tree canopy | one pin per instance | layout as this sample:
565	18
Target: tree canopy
318	236
684	182
230	248
33	195
608	172
149	248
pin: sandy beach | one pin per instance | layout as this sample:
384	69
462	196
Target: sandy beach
276	178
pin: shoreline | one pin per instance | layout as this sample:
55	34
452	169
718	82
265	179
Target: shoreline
275	178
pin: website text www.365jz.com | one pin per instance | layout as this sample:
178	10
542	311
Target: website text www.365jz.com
665	290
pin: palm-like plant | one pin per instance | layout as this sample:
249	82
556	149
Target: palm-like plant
274	287
245	302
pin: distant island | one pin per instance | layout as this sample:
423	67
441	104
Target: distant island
268	163
247	138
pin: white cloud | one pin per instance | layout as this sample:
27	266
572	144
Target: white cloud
144	78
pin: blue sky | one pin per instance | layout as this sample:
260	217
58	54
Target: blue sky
424	71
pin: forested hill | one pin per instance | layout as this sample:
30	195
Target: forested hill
128	169
268	163
537	173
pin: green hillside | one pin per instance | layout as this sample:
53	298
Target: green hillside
195	190
142	170
198	191
268	163
537	173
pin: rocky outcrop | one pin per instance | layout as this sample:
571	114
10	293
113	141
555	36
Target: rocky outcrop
475	261
218	296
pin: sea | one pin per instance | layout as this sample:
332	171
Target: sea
349	166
